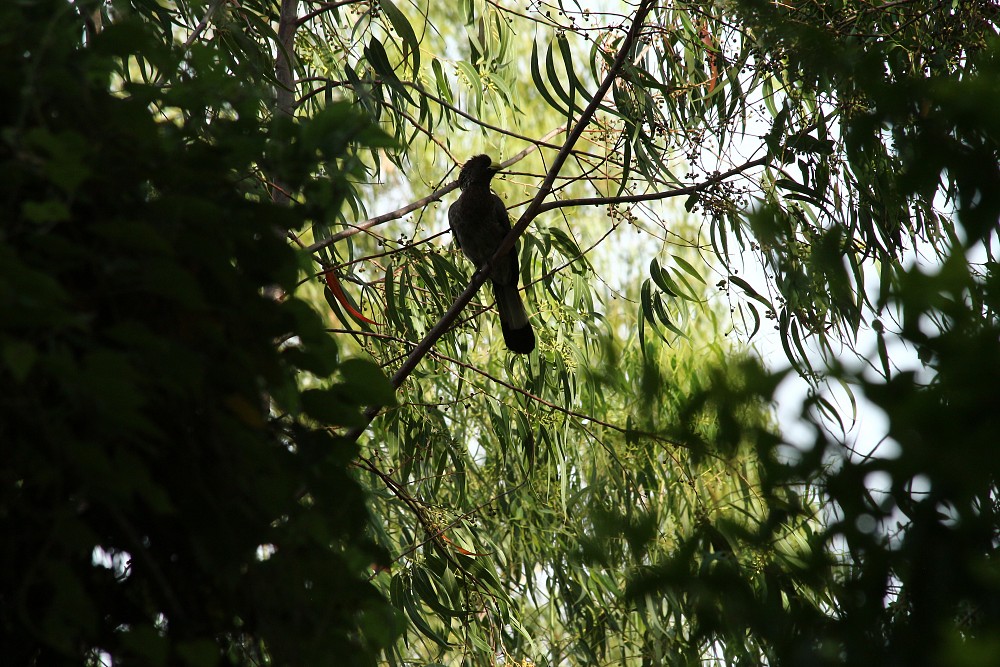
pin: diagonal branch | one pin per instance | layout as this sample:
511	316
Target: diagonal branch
203	24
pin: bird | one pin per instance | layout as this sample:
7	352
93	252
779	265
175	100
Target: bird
479	224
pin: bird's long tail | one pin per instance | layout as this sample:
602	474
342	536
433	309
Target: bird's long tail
517	333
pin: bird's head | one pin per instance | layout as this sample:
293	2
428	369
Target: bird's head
477	171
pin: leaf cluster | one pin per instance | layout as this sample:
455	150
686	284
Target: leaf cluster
908	559
167	496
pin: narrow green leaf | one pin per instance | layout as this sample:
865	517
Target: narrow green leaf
377	57
536	78
389	288
750	291
504	88
883	355
554	79
416	615
566	245
431	594
656	273
405	31
788	184
575	82
648	314
397	591
475	82
756	320
686	266
665	319
441	81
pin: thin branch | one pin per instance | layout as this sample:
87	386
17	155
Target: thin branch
326	7
284	93
413	206
385	217
517	390
435	533
426	131
460	518
652	196
203	24
418	89
555	406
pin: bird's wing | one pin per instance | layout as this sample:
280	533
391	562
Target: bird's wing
453	221
499	212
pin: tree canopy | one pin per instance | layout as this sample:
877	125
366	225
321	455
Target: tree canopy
257	411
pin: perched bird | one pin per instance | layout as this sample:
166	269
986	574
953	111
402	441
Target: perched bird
479	223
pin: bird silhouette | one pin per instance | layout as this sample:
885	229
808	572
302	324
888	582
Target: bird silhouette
479	223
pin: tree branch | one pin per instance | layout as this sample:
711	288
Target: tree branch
203	24
413	206
325	7
284	93
657	437
653	196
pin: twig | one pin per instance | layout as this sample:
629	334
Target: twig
413	206
200	28
653	196
325	7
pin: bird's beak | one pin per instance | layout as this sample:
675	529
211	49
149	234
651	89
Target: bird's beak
495	167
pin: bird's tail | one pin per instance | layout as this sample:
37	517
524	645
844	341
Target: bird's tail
517	333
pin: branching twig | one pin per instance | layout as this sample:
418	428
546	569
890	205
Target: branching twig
382	219
326	7
652	196
200	28
517	390
413	206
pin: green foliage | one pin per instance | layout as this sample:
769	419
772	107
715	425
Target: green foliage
154	509
864	120
917	528
179	480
